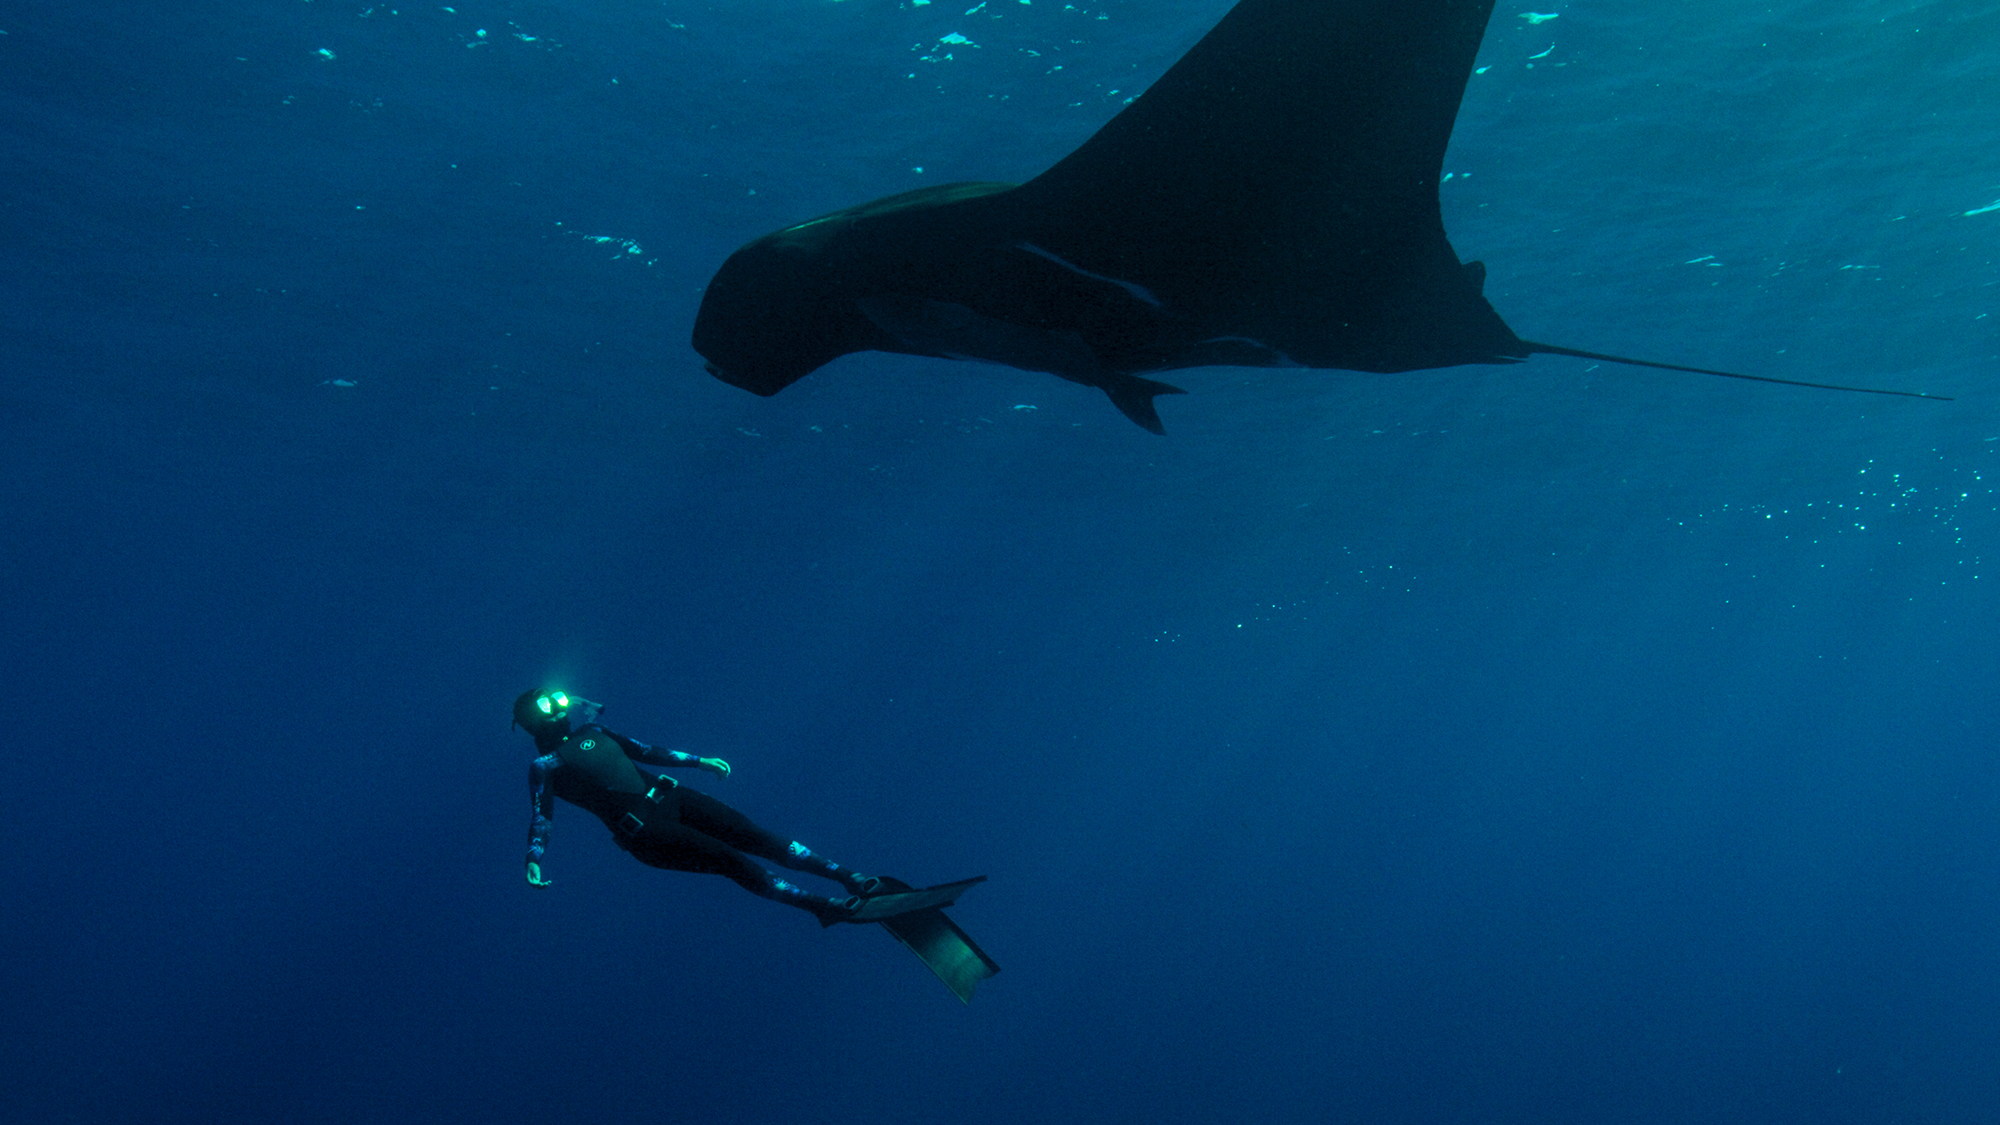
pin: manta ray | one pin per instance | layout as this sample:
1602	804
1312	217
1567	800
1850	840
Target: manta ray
1271	201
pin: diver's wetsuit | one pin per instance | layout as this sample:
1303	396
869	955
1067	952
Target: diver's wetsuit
679	829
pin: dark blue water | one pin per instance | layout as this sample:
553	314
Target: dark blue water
1555	743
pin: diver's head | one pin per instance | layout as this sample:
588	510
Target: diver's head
544	714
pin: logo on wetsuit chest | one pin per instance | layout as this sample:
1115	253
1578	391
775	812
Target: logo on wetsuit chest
588	744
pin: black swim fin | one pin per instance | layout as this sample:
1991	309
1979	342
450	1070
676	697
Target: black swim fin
937	939
897	897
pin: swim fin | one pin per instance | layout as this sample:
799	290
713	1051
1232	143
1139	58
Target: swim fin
900	898
937	941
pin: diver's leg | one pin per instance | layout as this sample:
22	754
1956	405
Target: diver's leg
802	858
676	848
707	815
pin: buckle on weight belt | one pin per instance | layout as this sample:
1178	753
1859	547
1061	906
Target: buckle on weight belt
630	824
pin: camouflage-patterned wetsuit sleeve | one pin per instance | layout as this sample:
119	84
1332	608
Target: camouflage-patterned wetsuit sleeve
540	804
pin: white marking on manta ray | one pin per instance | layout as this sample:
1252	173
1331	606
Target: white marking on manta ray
956	332
1137	290
1255	343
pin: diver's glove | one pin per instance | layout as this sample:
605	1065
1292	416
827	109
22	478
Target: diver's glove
716	766
535	876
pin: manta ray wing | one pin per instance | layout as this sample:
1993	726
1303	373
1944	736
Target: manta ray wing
1279	184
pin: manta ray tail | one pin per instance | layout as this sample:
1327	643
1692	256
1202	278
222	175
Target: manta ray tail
1552	349
1133	397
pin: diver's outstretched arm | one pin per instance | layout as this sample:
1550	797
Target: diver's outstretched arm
653	755
541	805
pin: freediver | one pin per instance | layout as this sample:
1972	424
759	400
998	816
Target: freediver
661	823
